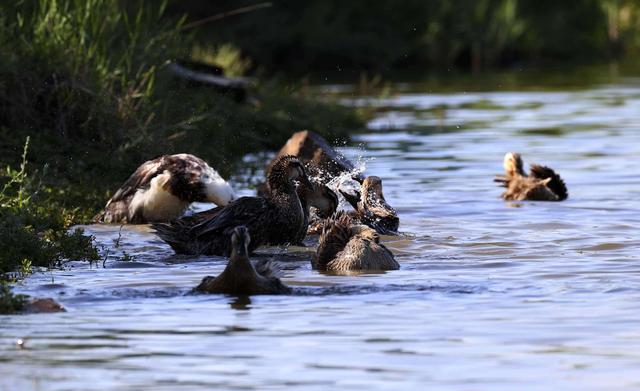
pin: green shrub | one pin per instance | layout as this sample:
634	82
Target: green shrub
10	303
35	231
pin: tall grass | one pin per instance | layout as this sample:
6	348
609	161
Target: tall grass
87	81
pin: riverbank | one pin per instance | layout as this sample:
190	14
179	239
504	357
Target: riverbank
89	85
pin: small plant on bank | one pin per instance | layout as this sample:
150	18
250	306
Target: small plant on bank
35	231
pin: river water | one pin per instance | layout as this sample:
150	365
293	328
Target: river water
490	295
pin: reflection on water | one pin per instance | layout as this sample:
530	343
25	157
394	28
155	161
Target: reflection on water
490	295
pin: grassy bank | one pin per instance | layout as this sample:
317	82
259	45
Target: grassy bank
87	82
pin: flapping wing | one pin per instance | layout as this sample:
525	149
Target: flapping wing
556	184
352	197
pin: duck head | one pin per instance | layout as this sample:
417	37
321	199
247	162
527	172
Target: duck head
285	171
217	190
240	240
365	232
372	188
512	164
372	195
320	197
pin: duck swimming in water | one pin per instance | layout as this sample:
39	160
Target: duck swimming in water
324	202
275	219
320	159
241	277
542	183
345	246
371	208
161	190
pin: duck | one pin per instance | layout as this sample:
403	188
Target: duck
162	189
275	219
542	183
346	246
318	203
320	159
371	208
322	200
241	276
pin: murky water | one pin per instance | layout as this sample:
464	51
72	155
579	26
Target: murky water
490	295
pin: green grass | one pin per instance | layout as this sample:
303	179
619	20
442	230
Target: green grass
35	229
88	82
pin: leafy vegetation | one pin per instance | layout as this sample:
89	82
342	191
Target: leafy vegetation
35	231
10	303
387	35
87	82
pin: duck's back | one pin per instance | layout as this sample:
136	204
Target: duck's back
363	254
521	188
262	281
268	220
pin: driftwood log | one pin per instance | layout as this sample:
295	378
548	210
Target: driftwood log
199	74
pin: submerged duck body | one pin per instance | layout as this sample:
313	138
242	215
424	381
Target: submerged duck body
161	189
345	246
241	277
371	208
275	219
542	183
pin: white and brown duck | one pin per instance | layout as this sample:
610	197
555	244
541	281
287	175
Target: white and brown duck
241	276
275	219
346	246
542	183
163	188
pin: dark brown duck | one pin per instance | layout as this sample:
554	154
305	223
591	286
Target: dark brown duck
241	277
371	208
161	189
345	246
322	200
275	219
542	183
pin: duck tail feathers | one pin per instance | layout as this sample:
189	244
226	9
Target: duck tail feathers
174	235
556	184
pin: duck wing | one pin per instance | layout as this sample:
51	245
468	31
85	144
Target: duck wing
243	211
352	197
268	268
140	179
117	208
200	217
556	184
503	180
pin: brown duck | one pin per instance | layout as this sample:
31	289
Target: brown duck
345	246
161	190
542	183
241	277
275	219
322	199
317	155
371	208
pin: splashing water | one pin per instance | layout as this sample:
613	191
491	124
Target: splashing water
541	296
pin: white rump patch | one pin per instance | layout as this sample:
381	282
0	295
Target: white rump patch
155	203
